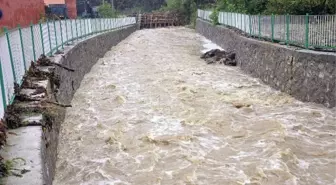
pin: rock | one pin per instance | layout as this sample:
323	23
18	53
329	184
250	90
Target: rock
219	56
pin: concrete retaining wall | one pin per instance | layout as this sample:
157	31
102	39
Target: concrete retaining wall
306	75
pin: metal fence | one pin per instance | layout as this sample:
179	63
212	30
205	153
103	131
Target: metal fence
20	46
308	31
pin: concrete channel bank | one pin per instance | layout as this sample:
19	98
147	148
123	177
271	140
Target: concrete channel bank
306	75
34	146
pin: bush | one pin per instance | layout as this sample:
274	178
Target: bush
214	17
106	11
296	7
187	8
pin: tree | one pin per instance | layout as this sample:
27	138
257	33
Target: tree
106	11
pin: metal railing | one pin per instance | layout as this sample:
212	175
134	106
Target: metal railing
308	31
20	46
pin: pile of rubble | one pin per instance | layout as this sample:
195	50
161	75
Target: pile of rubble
220	56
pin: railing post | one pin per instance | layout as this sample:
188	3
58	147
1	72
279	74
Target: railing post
62	44
259	26
42	40
55	35
80	27
235	19
101	27
307	31
241	21
66	31
72	34
49	37
84	27
272	22
250	25
91	26
287	29
2	85
22	48
76	29
33	40
10	54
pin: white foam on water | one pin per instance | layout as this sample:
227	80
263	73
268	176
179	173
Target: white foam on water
303	164
106	182
209	45
164	126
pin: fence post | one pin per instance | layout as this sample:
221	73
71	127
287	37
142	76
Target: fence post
22	48
259	26
60	21
33	40
287	29
10	53
2	84
111	23
235	19
272	22
226	17
80	27
250	25
241	21
49	38
307	31
66	31
55	35
91	26
76	29
42	40
72	35
101	27
84	27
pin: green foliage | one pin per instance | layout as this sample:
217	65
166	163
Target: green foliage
174	5
187	8
106	11
214	17
298	7
301	7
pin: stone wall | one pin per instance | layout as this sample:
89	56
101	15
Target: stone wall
306	75
81	58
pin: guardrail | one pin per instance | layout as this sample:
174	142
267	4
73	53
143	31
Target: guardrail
20	46
307	31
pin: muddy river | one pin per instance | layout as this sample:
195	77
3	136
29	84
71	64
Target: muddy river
151	112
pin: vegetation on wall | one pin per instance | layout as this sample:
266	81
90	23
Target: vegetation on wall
214	17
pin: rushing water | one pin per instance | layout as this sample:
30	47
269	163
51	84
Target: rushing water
152	113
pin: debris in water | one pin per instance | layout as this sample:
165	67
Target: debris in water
240	105
111	86
220	56
120	99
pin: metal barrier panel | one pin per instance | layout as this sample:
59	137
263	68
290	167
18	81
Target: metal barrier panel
309	31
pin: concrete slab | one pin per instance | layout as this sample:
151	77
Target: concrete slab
25	143
32	119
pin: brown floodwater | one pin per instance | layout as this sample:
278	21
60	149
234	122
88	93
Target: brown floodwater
151	112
